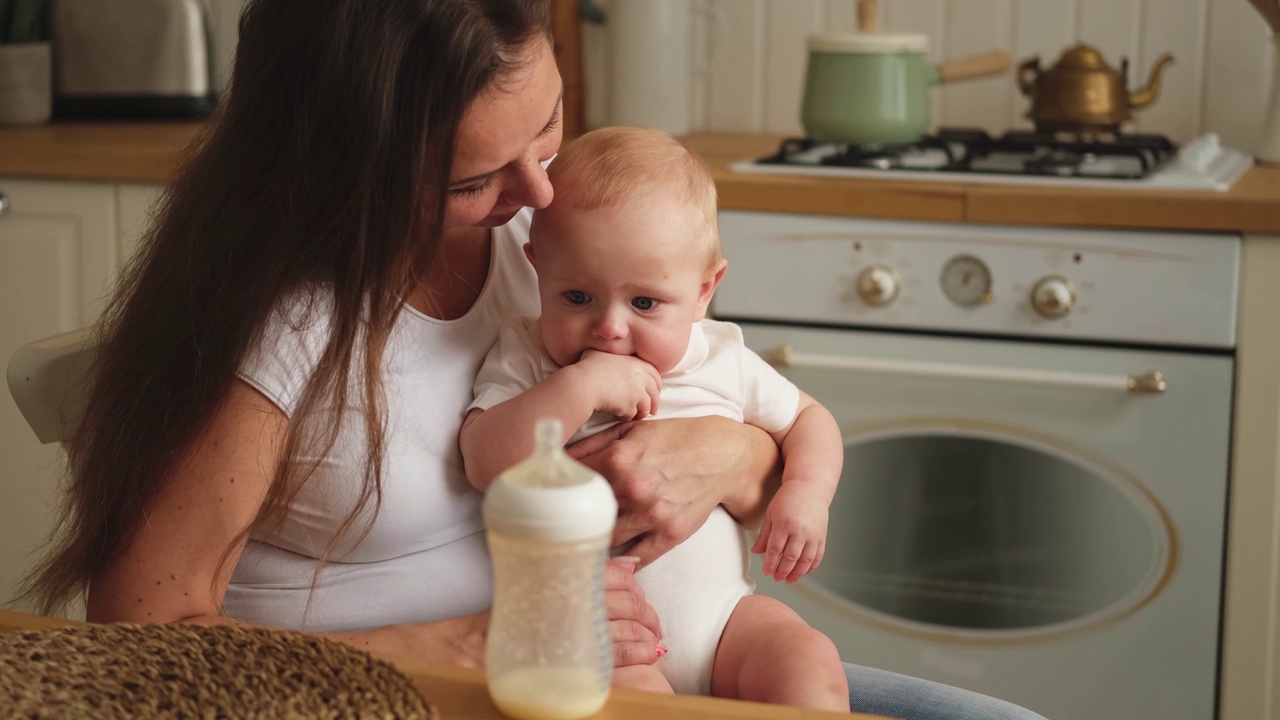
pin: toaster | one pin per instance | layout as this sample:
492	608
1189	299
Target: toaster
131	58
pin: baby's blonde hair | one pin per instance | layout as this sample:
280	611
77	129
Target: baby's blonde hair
612	165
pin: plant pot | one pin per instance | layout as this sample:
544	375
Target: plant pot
26	83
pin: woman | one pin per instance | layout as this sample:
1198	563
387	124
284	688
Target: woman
271	435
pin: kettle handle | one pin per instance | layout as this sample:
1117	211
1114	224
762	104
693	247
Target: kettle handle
1028	71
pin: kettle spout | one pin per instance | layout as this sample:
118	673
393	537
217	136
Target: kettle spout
1148	94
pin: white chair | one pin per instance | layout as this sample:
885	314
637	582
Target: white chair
46	381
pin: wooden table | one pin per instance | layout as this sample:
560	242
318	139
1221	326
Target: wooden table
460	693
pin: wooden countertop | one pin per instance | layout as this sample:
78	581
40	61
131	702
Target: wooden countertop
461	694
1251	205
96	151
149	152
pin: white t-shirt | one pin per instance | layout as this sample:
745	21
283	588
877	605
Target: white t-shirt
695	586
424	558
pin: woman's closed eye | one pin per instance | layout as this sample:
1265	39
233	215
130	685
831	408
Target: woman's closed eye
555	120
473	190
644	304
577	297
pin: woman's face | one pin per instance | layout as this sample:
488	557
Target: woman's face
505	136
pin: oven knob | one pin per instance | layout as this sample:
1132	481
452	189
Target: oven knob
1053	297
878	285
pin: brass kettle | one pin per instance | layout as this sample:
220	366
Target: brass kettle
1082	93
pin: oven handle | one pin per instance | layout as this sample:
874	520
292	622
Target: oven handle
1151	382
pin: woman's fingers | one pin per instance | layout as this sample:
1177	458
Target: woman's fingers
633	623
633	644
624	599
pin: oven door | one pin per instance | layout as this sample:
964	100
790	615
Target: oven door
1043	523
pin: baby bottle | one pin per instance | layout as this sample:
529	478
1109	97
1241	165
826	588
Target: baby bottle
549	521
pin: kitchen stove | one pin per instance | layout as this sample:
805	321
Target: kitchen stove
1133	161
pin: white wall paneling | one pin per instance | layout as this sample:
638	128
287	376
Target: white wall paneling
971	27
1177	27
1040	28
1111	26
736	85
787	24
1218	81
1238	72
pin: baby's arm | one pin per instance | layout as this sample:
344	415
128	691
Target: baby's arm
495	439
793	537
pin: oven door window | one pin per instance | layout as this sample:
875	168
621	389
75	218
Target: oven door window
986	533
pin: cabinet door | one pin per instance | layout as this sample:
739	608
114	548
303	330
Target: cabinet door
58	254
135	208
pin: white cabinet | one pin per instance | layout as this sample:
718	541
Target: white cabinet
61	246
134	203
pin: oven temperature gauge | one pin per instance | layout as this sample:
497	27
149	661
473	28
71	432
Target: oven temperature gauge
966	281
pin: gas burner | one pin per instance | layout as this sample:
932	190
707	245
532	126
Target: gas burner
1019	157
961	150
866	156
926	154
1059	163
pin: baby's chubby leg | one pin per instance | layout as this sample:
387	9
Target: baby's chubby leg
768	654
641	677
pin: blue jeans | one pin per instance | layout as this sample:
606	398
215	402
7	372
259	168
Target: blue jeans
880	692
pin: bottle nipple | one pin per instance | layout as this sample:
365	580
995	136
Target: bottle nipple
548	434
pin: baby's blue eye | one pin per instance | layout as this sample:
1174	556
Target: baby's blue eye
644	303
576	297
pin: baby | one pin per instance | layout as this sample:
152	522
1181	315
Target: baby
628	257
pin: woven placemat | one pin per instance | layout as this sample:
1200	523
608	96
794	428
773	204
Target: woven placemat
191	671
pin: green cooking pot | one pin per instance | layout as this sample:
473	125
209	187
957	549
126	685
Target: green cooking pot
873	88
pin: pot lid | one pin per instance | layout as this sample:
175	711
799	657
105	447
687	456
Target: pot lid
869	43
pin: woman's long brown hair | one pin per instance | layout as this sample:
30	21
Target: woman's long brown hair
326	166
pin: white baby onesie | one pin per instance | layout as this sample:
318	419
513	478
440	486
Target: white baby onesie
695	586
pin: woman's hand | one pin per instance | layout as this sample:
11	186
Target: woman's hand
670	474
633	623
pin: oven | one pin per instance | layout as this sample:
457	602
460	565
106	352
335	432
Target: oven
1037	430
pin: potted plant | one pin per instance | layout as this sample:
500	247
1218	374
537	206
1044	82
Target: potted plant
26	62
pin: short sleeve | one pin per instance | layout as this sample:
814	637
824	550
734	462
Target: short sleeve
515	363
286	355
770	401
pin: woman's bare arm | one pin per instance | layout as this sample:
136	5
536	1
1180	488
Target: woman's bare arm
213	492
670	474
167	574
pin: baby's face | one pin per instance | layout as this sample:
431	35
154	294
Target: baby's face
628	280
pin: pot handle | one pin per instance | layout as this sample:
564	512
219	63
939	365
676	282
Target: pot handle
868	16
974	66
